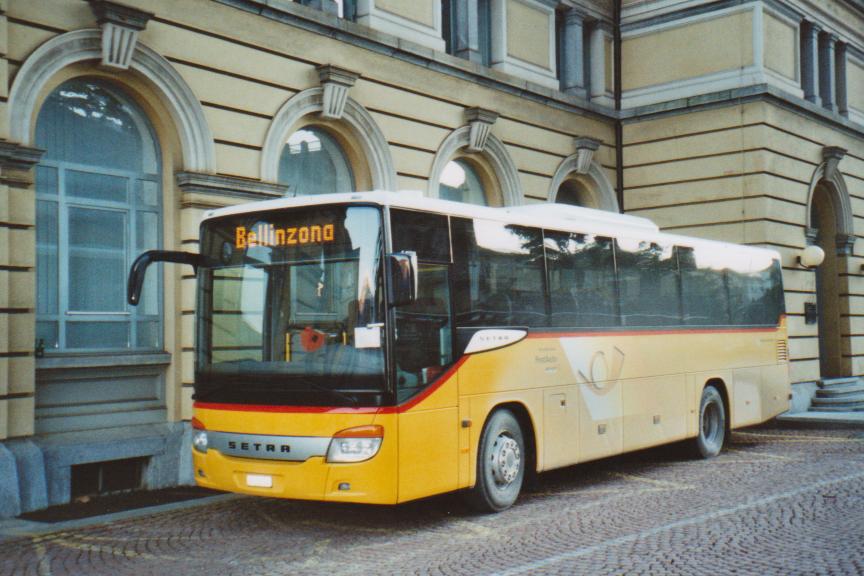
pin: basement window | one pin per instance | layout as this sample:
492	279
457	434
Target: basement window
108	477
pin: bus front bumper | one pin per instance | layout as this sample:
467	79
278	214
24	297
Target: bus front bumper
372	481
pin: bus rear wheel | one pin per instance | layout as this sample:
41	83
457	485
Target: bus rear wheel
712	424
501	462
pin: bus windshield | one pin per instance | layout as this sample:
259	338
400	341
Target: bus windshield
291	308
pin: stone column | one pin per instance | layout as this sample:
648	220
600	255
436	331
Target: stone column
827	41
572	60
810	61
597	56
840	78
465	20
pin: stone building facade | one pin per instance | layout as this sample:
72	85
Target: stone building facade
121	123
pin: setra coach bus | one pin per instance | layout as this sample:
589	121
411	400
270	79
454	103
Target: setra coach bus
381	347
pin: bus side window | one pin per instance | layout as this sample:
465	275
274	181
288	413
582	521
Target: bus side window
754	291
647	283
499	274
705	301
581	280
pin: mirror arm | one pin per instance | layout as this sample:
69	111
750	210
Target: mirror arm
139	267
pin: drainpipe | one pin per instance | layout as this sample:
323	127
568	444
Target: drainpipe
619	129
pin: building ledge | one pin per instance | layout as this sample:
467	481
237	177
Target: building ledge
103	360
741	95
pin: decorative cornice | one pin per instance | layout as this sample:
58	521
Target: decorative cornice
480	120
832	155
120	26
120	14
585	148
336	83
18	157
199	183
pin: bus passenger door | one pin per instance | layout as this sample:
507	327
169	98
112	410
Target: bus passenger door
429	418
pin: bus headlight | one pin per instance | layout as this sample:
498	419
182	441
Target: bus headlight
355	444
199	436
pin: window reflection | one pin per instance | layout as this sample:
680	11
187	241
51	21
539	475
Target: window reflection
98	207
460	183
312	162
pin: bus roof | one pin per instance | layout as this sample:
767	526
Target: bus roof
547	215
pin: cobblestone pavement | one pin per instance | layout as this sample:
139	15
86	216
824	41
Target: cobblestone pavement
775	502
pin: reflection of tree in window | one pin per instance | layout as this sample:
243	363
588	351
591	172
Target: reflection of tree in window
581	280
312	162
501	270
648	283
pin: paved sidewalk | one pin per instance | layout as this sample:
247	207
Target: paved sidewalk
778	501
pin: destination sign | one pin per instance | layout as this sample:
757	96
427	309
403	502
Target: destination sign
270	235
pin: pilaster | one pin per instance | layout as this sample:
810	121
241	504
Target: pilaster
827	78
465	20
810	61
597	55
17	288
572	58
840	78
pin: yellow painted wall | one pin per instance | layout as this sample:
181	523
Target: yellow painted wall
421	11
528	34
688	51
855	85
781	46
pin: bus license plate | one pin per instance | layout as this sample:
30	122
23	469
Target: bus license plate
259	480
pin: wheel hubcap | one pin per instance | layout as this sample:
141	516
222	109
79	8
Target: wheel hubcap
506	460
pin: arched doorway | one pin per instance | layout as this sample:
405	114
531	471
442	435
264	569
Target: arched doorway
830	226
823	223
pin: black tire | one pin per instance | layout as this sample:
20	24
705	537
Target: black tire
712	424
501	460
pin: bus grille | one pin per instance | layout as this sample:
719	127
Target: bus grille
782	351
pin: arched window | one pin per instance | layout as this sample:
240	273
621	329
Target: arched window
460	182
313	162
98	205
575	192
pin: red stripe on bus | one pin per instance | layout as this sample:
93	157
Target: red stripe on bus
650	332
291	409
426	393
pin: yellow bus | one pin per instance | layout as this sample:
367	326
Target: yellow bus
383	347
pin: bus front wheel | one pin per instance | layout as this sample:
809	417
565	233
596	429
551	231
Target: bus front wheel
501	460
712	424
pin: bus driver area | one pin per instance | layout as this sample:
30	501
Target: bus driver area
419	346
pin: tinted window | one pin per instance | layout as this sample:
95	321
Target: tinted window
705	301
426	234
581	280
755	290
648	283
499	274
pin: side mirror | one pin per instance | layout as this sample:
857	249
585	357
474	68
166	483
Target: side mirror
139	267
403	278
